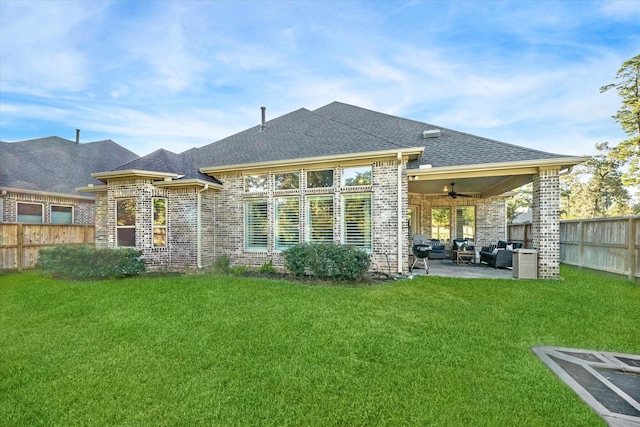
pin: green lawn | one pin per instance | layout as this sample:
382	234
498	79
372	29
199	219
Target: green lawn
215	350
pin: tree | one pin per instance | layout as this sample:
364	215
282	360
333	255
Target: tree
602	195
628	116
522	198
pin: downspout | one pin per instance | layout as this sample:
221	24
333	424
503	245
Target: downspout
400	263
199	226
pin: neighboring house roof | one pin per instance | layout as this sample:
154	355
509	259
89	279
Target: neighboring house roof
57	165
523	216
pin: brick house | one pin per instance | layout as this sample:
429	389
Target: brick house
38	178
336	174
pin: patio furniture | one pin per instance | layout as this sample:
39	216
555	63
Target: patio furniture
437	250
500	255
460	245
465	257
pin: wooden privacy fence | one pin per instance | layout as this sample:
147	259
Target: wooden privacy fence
20	243
606	244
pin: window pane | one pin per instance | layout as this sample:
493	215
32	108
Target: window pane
30	212
159	211
357	220
126	212
159	236
320	219
287	222
466	222
254	183
61	215
256	224
126	237
440	224
287	181
356	176
320	179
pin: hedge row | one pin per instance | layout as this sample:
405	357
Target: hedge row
83	262
328	261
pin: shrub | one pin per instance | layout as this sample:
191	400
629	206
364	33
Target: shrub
84	262
238	270
330	261
222	264
267	267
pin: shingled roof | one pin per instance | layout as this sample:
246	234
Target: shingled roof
339	128
57	165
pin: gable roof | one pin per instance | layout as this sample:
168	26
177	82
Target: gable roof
57	165
342	129
166	163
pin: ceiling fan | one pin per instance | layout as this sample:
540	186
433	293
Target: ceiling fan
453	193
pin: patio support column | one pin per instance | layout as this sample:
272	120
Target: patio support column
546	222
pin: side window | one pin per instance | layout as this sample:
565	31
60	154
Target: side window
356	176
256	224
159	221
126	222
30	212
61	214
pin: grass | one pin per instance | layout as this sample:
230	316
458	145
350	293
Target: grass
223	350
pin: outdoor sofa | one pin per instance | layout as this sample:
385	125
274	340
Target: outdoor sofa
500	255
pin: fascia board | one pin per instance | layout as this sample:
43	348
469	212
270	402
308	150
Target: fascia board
413	152
92	189
102	176
187	183
496	169
45	193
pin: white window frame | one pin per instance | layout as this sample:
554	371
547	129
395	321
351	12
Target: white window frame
367	238
128	226
310	217
29	203
249	226
352	172
287	225
61	206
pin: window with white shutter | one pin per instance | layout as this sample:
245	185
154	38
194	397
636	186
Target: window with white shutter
256	225
356	220
287	222
320	219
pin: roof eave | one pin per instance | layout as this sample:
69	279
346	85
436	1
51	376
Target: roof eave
411	153
194	182
92	188
129	173
44	193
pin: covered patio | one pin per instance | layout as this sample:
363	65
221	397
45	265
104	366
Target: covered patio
448	268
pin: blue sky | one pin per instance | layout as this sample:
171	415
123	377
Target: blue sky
180	74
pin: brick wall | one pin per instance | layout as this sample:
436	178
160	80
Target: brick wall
545	230
83	209
491	215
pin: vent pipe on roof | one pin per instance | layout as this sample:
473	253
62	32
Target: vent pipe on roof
264	109
432	133
77	136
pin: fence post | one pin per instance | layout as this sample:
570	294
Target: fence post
581	242
631	238
19	249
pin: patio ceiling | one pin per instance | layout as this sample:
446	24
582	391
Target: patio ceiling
483	180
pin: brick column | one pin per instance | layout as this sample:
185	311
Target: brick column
546	222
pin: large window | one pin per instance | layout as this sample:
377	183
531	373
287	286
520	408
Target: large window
356	176
253	183
320	179
159	221
320	219
287	181
256	224
61	214
441	224
356	220
30	212
126	222
287	222
465	222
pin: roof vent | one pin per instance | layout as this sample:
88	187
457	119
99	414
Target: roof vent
263	118
77	136
431	133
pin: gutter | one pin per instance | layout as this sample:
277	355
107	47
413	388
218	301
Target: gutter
199	226
400	212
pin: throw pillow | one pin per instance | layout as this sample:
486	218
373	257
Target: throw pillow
509	247
495	251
